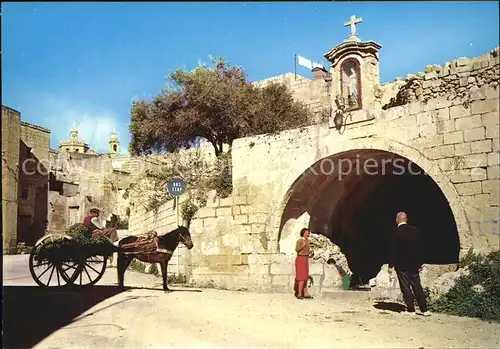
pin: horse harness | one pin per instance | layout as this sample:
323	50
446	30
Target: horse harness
150	243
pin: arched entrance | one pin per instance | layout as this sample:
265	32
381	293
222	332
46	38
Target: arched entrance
352	197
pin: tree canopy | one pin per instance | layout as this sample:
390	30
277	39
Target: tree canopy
216	103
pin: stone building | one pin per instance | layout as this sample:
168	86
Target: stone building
25	176
84	179
74	144
427	144
39	183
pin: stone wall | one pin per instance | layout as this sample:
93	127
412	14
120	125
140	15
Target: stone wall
33	182
89	180
316	94
11	133
98	180
57	215
231	249
469	79
65	211
38	139
241	241
25	154
436	134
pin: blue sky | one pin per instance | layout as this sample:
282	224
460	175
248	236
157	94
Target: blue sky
85	62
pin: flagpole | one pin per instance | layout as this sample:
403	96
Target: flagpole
295	65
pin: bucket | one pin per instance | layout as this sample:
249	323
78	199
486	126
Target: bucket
346	283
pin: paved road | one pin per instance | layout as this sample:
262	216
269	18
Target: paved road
16	272
143	316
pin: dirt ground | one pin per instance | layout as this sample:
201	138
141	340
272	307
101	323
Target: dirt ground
208	318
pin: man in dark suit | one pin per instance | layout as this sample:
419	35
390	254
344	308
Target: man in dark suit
406	256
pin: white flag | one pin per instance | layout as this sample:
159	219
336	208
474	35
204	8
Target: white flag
304	62
319	65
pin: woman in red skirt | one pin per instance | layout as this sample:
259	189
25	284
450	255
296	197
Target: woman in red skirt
304	252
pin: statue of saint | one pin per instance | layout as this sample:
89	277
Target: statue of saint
350	85
352	88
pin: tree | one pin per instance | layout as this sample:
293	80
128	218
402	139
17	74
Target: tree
216	103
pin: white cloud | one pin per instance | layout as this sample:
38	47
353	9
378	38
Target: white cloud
94	125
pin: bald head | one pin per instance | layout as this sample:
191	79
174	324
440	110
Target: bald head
401	217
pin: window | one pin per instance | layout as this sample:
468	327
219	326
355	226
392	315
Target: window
25	193
73	215
114	147
77	150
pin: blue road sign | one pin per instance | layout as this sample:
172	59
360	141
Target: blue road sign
176	186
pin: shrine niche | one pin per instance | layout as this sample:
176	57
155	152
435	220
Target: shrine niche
350	82
355	75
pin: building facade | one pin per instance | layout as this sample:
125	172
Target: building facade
25	177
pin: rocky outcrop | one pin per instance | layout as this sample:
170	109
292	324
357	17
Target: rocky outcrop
325	251
385	286
445	282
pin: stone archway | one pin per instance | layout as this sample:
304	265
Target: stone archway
381	147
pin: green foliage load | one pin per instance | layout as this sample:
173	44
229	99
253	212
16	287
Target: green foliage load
82	243
81	235
463	300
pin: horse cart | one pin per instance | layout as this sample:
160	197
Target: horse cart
74	259
62	260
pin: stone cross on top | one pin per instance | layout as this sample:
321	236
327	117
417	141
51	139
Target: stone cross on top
352	23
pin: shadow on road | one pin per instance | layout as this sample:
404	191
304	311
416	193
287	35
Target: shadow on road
391	306
159	288
31	313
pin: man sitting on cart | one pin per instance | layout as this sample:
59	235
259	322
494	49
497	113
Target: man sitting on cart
96	228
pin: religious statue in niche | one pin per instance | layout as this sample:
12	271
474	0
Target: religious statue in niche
351	84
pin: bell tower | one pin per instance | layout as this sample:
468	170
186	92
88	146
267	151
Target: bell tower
114	143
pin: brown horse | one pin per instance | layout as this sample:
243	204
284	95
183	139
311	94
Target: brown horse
166	246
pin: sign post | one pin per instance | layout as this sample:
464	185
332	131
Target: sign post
176	187
177	210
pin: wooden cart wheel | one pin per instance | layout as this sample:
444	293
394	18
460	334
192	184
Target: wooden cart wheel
89	271
47	270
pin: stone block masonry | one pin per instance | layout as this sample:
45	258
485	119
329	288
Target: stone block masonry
38	139
93	180
230	251
313	93
473	79
11	134
34	153
25	147
445	120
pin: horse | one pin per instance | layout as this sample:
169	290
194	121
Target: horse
166	246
